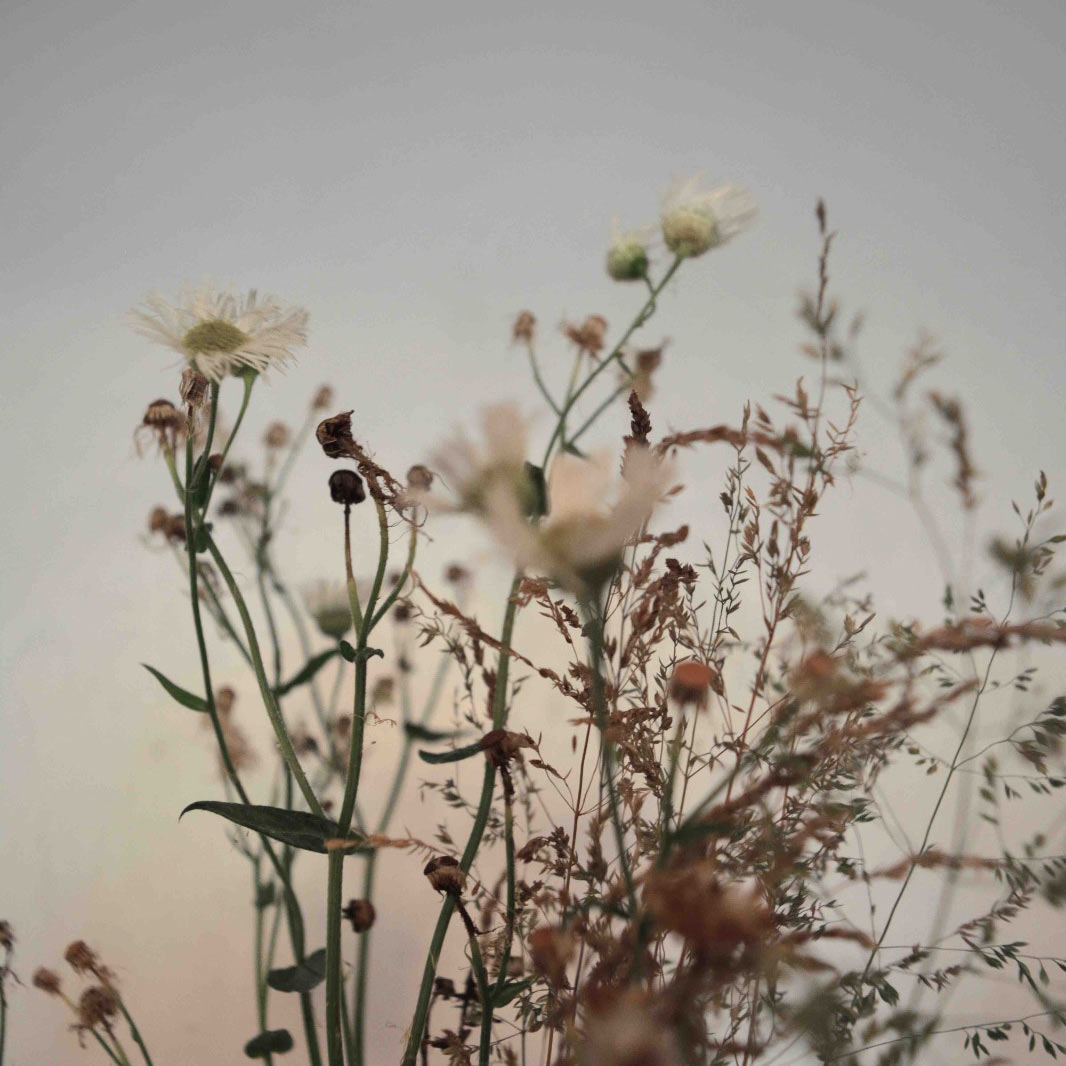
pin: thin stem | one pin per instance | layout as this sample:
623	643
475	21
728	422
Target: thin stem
135	1032
477	831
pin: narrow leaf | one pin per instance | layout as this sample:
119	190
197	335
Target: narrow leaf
273	1041
420	732
311	667
298	829
300	978
186	699
454	755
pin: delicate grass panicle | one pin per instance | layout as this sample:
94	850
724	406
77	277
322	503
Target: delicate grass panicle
676	838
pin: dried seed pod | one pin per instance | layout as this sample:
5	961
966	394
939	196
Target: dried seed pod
361	913
193	388
445	875
346	486
419	477
47	981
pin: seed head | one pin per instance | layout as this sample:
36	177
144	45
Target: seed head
98	1004
81	957
524	328
446	875
690	683
277	435
47	981
346	486
419	477
361	913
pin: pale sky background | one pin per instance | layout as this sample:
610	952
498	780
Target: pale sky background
414	175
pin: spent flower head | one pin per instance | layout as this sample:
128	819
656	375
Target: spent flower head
696	219
220	333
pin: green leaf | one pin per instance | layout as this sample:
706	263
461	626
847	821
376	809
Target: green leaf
273	1041
298	829
351	654
186	699
510	990
311	667
420	732
300	978
454	755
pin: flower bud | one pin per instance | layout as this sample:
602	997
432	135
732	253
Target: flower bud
346	486
445	875
361	913
627	257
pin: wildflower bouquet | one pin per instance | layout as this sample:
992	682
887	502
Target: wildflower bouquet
693	861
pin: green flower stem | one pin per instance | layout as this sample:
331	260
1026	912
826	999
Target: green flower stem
107	1047
260	969
477	831
393	595
335	878
615	356
594	617
249	379
481	976
269	702
4	971
168	458
346	1030
535	367
135	1032
292	905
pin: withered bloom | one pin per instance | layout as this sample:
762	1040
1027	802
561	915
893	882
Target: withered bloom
81	958
97	1006
193	389
419	477
589	336
445	875
501	746
361	913
47	981
346	486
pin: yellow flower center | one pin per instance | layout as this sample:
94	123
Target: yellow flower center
214	335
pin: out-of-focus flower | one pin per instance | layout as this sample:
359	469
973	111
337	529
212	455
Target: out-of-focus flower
473	471
691	682
589	335
696	219
629	1032
277	435
524	327
220	333
327	603
627	255
579	543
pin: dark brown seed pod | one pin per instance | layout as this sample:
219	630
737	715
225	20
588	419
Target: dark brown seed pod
445	875
361	913
346	486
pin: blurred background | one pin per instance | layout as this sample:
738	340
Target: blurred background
415	175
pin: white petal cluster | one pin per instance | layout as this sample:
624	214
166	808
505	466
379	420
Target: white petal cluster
627	255
327	603
696	219
221	333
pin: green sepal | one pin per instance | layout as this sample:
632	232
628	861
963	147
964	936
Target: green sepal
351	654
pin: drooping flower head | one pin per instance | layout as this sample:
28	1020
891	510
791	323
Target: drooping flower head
220	333
696	219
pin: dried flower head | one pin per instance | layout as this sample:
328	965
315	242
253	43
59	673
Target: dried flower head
361	913
456	574
81	958
277	435
580	542
346	486
193	389
590	335
627	256
47	981
157	520
323	399
524	328
97	1006
691	682
696	219
501	746
419	478
445	875
327	603
220	333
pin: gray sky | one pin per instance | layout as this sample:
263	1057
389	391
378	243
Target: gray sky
415	174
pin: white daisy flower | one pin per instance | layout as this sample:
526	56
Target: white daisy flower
627	255
220	333
580	541
696	219
472	469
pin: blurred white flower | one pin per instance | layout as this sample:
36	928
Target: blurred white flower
696	219
627	256
327	603
580	541
471	470
630	1032
220	333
